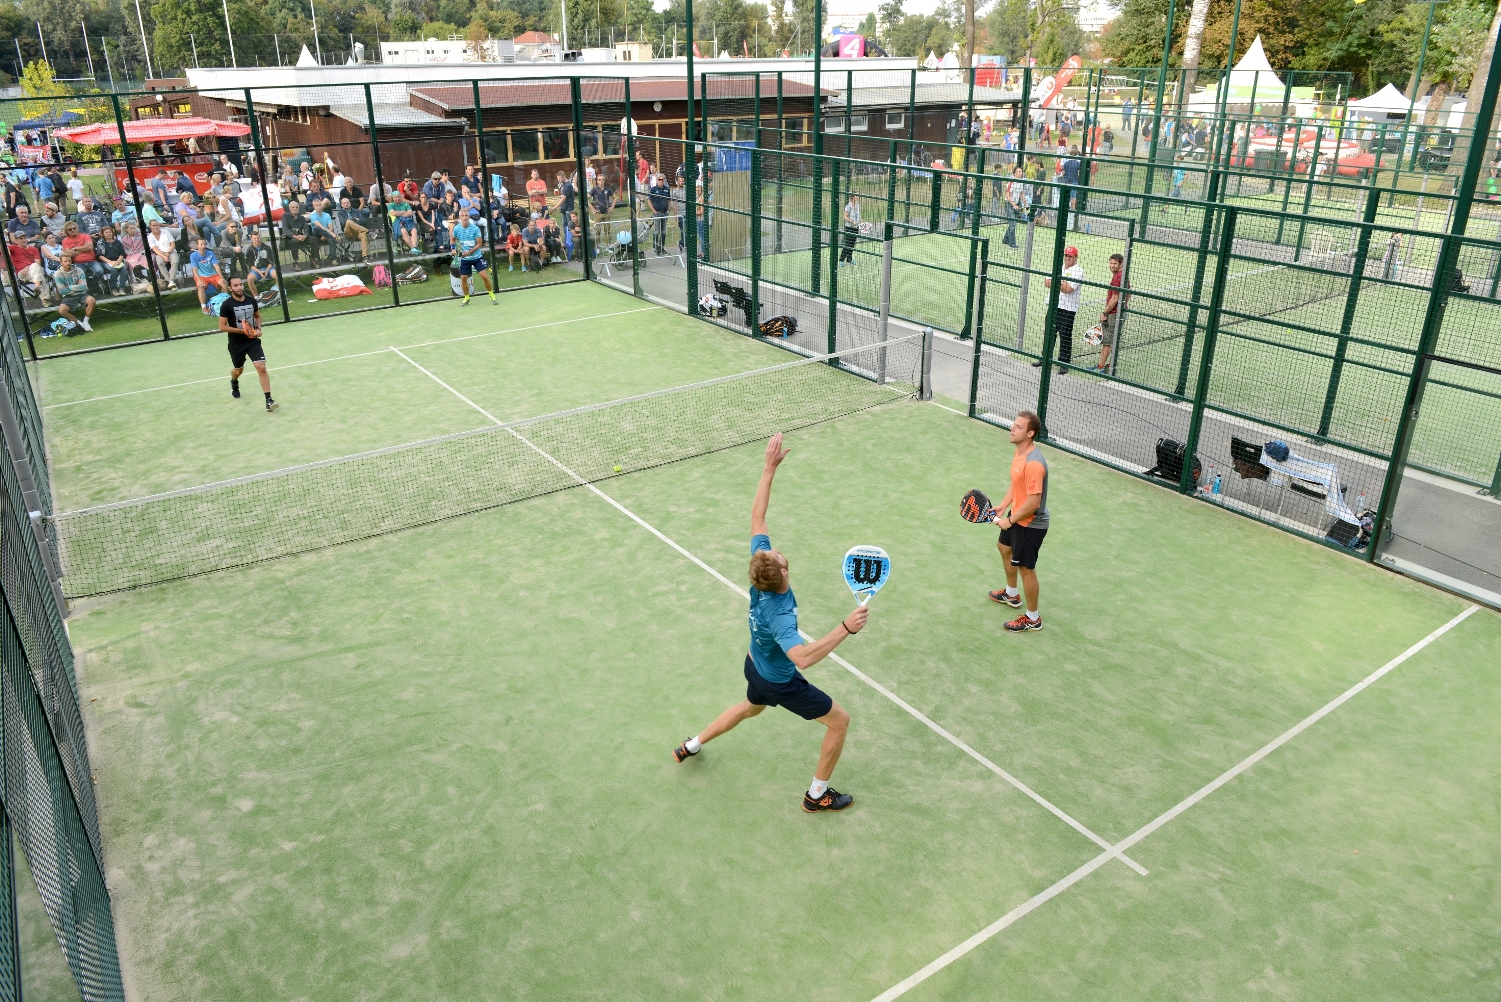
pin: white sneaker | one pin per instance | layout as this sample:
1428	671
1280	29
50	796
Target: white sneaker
84	323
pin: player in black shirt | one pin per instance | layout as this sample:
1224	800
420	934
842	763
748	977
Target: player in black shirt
240	318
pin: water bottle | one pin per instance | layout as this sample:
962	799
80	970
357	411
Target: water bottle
1361	503
1218	485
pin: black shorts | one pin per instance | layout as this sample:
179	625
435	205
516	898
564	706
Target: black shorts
1025	541
242	347
798	695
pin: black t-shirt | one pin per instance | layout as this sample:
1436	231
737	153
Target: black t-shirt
112	250
237	314
567	191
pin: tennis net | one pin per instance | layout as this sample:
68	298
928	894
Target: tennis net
164	537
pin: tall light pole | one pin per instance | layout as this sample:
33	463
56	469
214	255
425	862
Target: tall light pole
146	48
229	34
317	46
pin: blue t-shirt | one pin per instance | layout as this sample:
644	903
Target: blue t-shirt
466	236
321	218
204	262
773	627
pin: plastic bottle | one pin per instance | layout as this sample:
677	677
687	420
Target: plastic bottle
1361	503
1218	485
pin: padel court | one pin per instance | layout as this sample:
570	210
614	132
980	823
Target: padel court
436	763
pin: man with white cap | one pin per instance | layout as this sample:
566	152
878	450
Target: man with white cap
1070	289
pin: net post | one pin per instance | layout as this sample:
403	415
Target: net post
969	293
1120	304
1050	328
834	217
630	185
1347	320
979	324
1187	482
135	197
385	214
1206	230
885	325
580	180
755	235
1026	279
926	392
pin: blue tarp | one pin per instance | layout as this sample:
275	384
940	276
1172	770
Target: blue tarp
51	120
733	159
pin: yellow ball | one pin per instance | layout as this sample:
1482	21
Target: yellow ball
617	469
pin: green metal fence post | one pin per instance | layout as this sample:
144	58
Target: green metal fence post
1050	331
1201	259
755	236
834	236
634	194
1313	164
1186	480
1141	93
135	197
690	177
976	316
890	180
816	262
969	290
484	180
781	160
1347	320
911	146
935	198
580	181
385	213
1167	49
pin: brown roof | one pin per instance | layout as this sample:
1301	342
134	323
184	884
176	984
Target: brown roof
598	91
532	38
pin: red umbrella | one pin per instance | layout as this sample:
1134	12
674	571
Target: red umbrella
151	130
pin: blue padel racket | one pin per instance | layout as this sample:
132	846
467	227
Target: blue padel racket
976	507
866	569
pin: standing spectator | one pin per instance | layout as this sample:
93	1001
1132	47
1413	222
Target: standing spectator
574	236
566	195
73	293
163	248
336	184
13	196
851	230
204	264
228	169
536	192
1178	176
184	185
1070	289
1018	197
680	209
660	197
75	191
1110	318
602	202
1126	107
44	188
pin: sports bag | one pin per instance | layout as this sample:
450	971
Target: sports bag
380	276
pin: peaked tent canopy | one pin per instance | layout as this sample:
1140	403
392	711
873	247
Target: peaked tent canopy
1252	82
306	59
1388	100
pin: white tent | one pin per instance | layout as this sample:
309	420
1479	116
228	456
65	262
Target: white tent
1386	101
306	59
1252	82
931	63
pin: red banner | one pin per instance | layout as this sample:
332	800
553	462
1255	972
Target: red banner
200	172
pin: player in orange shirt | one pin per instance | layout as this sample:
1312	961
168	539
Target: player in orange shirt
1023	518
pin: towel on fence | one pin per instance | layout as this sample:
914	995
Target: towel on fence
1324	476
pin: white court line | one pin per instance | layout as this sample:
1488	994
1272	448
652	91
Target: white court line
360	354
1031	904
1110	851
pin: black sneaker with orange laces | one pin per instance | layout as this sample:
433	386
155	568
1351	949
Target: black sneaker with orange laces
1021	624
1015	601
832	800
681	752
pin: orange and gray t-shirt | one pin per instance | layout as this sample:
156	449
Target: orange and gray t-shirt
1029	475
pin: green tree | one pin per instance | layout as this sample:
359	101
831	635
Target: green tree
1007	28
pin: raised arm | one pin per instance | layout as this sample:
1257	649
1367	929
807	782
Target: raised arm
774	456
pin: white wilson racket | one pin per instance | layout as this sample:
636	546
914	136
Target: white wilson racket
866	569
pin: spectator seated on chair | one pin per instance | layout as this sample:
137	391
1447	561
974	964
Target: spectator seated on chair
111	254
27	261
259	264
204	264
231	249
75	303
90	218
515	247
297	235
135	253
404	222
163	250
52	254
354	223
321	222
53	221
531	241
552	239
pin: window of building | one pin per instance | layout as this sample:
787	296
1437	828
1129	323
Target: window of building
589	143
834	123
525	147
183	108
555	145
896	120
495	148
859	123
611	137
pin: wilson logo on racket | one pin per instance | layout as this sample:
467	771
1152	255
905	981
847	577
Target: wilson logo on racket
976	507
866	569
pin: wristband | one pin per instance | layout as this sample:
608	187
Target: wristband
846	628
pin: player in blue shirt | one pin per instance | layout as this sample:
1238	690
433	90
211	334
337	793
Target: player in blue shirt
778	651
469	241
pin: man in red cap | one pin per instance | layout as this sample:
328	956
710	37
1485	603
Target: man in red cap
1070	289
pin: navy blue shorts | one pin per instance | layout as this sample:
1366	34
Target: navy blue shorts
472	265
798	695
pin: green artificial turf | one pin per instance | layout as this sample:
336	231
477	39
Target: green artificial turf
437	763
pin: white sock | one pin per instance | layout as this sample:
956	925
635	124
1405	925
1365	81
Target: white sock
1010	592
1033	615
817	789
693	745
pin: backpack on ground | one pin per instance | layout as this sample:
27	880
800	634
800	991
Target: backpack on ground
380	277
